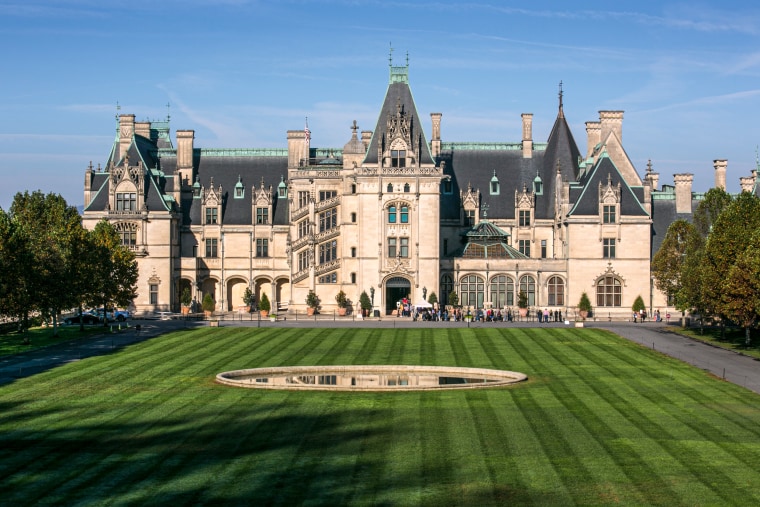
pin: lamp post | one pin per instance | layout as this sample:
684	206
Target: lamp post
372	298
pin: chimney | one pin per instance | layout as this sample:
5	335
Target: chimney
435	142
366	138
142	128
126	130
683	192
593	135
88	184
611	121
652	177
747	183
527	135
185	155
720	173
296	147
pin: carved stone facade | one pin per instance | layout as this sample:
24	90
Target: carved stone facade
392	214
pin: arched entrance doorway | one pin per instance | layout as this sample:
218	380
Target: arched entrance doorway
235	289
396	289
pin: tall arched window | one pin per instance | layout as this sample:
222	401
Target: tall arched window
528	286
471	291
502	291
556	291
447	285
609	291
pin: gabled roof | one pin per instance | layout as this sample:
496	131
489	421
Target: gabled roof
603	173
399	95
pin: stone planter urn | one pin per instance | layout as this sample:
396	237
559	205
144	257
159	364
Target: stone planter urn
264	313
342	312
310	311
523	312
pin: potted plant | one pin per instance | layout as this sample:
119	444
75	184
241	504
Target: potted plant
185	299
208	305
453	298
522	303
264	305
342	301
433	299
273	317
249	299
584	306
365	303
312	302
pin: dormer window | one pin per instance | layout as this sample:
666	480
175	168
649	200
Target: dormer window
524	218
282	188
609	214
239	191
448	187
262	215
398	158
494	186
196	189
538	185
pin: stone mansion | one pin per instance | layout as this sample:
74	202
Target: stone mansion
393	213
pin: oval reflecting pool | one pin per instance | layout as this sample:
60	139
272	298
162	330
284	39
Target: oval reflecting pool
369	378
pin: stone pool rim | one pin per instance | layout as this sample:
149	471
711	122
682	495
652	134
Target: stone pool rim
502	377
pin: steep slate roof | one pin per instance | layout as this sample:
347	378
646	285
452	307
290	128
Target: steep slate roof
398	94
587	202
664	214
475	165
224	170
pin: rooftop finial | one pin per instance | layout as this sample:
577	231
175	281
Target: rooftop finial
649	166
560	97
390	55
168	110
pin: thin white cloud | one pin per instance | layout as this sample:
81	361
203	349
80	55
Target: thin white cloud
705	101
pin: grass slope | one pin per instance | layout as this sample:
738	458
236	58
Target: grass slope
601	421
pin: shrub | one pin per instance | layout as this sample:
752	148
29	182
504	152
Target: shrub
208	304
264	303
341	299
453	298
432	299
584	304
312	300
249	298
638	305
186	298
522	299
364	301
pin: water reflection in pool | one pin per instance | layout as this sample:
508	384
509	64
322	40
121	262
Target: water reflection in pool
351	378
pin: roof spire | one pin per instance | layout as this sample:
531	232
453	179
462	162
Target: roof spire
561	111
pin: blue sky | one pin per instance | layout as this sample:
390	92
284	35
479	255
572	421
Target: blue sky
243	72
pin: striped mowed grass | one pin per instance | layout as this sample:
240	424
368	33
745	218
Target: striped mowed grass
600	421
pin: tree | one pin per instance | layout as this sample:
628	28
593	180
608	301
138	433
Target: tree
709	208
114	269
741	297
668	262
44	232
453	298
432	299
726	245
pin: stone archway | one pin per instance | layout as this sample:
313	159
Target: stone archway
235	290
210	286
396	288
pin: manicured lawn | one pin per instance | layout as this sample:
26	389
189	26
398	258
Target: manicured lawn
601	421
732	338
38	337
